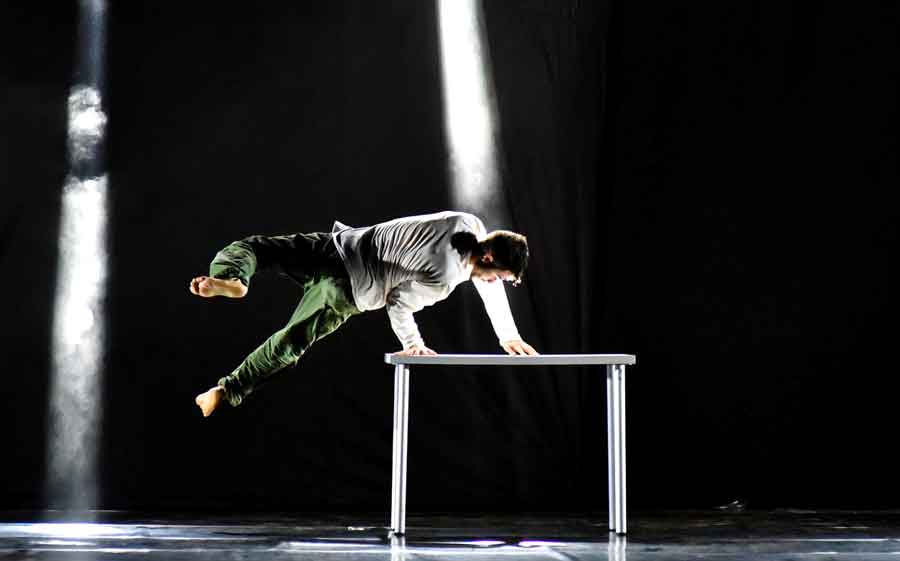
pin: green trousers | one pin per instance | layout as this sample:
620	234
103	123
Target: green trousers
312	261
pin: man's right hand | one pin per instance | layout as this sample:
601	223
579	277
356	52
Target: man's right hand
416	350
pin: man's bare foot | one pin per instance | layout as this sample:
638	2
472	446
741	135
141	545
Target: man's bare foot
209	287
209	400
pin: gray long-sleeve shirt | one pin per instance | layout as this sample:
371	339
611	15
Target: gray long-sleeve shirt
408	263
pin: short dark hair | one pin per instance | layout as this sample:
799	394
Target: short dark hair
509	250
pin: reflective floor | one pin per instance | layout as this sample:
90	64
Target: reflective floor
683	535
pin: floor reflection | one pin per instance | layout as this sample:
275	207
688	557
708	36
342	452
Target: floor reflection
655	536
616	550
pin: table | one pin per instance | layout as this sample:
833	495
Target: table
615	418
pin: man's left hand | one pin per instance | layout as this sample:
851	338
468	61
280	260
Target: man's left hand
518	347
416	350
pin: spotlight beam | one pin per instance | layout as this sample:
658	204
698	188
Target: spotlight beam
78	334
469	111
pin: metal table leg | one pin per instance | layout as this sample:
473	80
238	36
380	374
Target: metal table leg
401	426
611	453
619	447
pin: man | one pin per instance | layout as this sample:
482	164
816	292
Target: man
402	265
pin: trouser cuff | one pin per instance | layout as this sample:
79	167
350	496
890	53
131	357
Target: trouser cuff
228	273
233	393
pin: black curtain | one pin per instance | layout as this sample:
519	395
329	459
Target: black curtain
35	75
710	188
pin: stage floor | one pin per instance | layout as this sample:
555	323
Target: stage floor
657	536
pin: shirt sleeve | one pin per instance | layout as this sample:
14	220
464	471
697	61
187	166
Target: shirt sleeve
493	294
406	299
475	225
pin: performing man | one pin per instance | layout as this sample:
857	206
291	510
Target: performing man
402	265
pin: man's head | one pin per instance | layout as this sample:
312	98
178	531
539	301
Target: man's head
501	255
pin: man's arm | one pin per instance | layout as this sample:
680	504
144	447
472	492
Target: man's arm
496	304
403	301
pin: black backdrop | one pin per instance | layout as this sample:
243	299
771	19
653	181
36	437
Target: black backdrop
709	188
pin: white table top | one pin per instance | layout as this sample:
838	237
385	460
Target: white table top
509	360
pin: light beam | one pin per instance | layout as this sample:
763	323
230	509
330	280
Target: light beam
469	111
78	329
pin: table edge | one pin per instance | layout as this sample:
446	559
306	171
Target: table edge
509	360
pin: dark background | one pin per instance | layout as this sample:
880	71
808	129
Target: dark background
711	188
